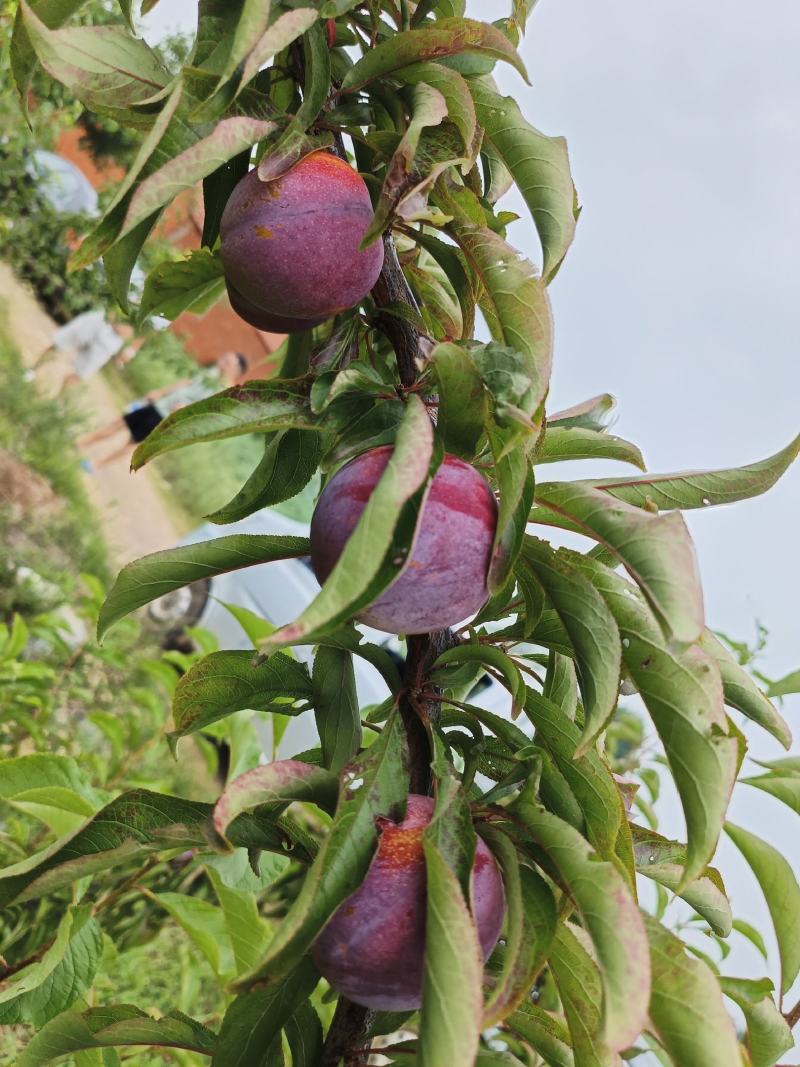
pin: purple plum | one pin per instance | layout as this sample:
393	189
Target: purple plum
290	246
373	948
444	581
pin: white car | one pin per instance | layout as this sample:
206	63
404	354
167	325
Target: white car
279	592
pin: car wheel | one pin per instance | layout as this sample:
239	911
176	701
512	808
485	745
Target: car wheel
182	607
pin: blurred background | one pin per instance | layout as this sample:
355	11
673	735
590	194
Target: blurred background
679	297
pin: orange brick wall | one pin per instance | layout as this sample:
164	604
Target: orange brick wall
220	329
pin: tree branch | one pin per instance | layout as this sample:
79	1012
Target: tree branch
390	288
346	1038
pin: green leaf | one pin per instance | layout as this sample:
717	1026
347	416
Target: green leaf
782	893
463	403
205	925
786	686
610	915
104	66
656	550
53	983
592	414
566	442
336	711
448	37
137	823
47	780
592	631
784	789
253	1020
155	575
530	929
683	693
752	935
427	108
697	489
741	692
545	1033
686	1008
217	188
255	407
276	784
114	1025
516	301
23	60
293	144
248	933
768	1033
664	860
450	1026
452	262
515	479
290	460
286	28
225	682
380	545
374	784
454	89
304	1036
539	165
193	283
578	981
491	657
229	138
588	776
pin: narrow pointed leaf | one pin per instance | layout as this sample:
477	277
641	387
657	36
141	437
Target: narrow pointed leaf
768	1033
610	915
193	283
455	90
255	407
102	65
786	686
204	924
539	165
545	1033
255	1019
698	489
686	1006
492	657
682	691
656	550
375	784
114	1025
276	784
290	460
137	823
153	576
225	682
664	861
463	403
51	984
592	630
592	414
448	37
782	893
588	776
304	1036
742	693
516	482
561	443
784	789
450	1029
336	711
578	981
519	308
229	137
530	929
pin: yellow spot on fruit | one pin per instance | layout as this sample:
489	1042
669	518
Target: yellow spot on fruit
262	231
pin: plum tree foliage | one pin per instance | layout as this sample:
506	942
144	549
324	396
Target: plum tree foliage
363	150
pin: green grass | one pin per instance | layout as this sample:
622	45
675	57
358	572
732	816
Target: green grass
40	432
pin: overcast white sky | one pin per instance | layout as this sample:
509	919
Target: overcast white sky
680	295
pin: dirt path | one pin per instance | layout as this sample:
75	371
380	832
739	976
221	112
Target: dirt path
131	508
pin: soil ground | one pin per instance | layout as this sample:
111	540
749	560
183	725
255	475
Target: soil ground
132	508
